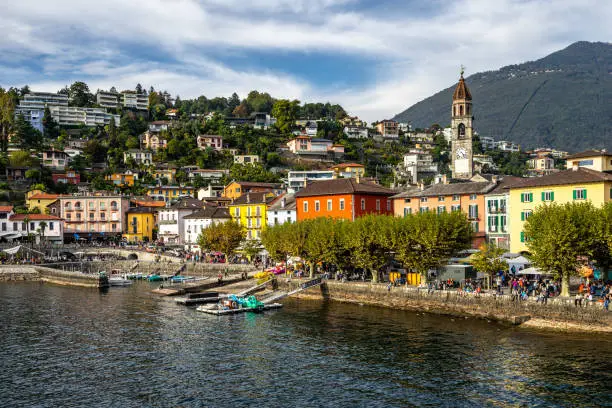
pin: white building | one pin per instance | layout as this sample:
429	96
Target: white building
497	212
32	106
171	227
75	116
246	158
448	134
296	180
356	132
210	175
139	156
282	210
209	192
405	127
18	226
199	220
419	164
506	146
488	143
127	99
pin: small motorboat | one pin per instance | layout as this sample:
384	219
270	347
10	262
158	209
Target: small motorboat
155	278
119	281
181	279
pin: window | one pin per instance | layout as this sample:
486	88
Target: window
317	205
472	196
305	206
585	162
23	226
407	200
423	209
503	223
378	205
526	197
258	223
4	226
423	199
441	198
441	209
388	205
91	216
493	206
493	223
455	207
580	194
407	211
329	205
102	216
548	196
473	211
15	227
258	211
248	211
113	205
78	216
32	227
342	204
237	212
455	197
363	207
522	236
91	205
525	214
53	210
474	225
249	223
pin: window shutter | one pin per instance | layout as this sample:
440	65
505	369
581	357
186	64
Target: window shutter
476	211
496	221
543	196
523	216
522	236
574	194
584	195
522	198
552	196
530	197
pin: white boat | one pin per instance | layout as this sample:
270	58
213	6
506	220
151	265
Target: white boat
119	281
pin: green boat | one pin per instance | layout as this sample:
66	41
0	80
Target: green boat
154	278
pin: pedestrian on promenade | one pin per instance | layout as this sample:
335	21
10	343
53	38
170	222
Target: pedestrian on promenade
389	287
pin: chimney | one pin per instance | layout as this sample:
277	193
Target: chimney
421	186
357	178
444	179
248	199
495	179
283	202
575	165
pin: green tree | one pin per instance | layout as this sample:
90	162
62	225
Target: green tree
42	226
369	241
285	112
22	158
489	261
251	248
274	239
252	172
50	126
25	135
79	95
223	237
7	116
560	237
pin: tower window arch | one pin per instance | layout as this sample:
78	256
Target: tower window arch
461	131
460	110
467	109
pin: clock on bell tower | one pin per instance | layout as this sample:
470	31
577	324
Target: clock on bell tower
461	124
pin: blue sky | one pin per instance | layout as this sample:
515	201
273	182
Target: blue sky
375	57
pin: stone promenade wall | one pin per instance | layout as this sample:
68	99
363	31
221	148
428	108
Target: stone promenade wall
558	312
18	273
167	268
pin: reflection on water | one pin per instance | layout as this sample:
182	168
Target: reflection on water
127	348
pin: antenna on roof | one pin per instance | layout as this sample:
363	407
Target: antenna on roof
462	70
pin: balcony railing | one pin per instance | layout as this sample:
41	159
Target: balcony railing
167	222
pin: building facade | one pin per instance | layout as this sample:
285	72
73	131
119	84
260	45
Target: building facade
170	220
195	223
297	180
140	224
250	210
93	216
236	189
461	124
214	142
282	210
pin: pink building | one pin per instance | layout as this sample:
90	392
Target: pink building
307	146
93	216
213	141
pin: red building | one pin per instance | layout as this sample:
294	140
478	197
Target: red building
343	199
69	177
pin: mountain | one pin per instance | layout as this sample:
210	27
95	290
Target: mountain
563	100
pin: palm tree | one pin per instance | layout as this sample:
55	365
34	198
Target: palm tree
26	220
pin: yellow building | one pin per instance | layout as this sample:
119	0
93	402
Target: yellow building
168	174
237	188
39	199
349	170
574	185
250	211
126	179
140	224
167	193
599	160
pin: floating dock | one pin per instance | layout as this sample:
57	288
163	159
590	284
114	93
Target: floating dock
199	298
222	312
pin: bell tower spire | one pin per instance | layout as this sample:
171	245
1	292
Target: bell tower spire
461	124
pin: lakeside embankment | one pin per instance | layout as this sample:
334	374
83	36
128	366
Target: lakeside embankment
50	275
557	314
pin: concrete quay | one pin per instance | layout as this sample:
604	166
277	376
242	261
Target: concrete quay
50	275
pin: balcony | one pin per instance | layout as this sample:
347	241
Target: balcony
167	222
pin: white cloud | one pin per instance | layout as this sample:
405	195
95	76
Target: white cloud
415	54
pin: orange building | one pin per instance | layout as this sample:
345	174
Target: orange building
468	198
343	199
237	188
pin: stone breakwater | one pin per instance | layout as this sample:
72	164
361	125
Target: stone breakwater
50	275
558	314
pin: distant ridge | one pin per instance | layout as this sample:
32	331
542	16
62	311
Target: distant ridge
563	100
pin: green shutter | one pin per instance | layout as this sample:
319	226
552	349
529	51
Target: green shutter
523	216
543	197
496	221
531	197
584	196
476	210
574	193
552	196
522	198
522	236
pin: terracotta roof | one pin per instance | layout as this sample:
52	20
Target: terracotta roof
210	212
589	153
408	193
579	176
504	184
343	186
149	203
253	198
44	196
6	208
462	91
34	217
456	188
348	165
141	210
257	184
187	203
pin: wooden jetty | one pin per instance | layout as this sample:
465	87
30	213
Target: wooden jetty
222	312
199	298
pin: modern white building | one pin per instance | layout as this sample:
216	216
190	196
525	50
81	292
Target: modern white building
171	226
246	158
488	143
196	222
296	180
32	106
506	146
126	99
419	164
75	116
282	210
356	132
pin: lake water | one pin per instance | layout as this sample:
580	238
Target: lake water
71	347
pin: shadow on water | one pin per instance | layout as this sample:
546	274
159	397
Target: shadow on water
72	347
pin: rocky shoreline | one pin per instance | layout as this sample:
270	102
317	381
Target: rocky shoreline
557	315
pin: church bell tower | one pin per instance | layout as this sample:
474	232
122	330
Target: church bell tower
461	124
